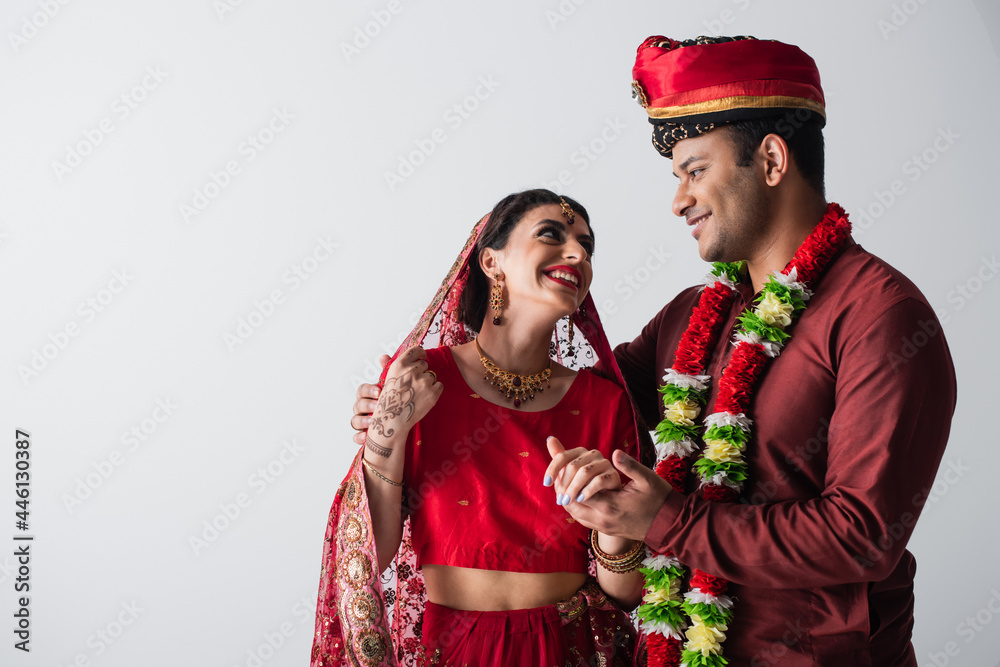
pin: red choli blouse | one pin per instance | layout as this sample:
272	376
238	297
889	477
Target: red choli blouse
474	473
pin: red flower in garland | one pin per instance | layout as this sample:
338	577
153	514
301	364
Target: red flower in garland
674	470
698	339
739	378
719	494
663	651
824	242
708	583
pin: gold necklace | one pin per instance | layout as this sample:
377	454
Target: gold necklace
522	387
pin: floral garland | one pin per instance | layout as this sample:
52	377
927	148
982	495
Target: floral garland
704	613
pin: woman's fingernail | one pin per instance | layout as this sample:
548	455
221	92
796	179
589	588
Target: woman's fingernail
547	481
580	498
558	499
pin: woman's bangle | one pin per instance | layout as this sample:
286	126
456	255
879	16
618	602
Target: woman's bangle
382	477
626	562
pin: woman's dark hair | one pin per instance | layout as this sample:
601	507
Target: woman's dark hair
506	214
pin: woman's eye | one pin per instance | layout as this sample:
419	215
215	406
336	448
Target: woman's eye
550	232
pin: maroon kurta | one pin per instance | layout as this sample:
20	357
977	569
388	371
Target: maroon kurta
850	423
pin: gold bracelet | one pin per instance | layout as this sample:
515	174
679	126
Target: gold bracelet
382	477
626	562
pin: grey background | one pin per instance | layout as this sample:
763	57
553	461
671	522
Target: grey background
560	75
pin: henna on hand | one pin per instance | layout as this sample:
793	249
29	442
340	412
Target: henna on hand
396	398
378	449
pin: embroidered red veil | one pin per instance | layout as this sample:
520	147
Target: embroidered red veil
362	617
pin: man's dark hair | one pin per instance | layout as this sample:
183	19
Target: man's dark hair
505	216
800	129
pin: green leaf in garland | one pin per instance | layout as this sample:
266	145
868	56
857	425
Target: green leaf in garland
661	578
670	613
736	471
732	270
710	614
752	322
673	393
696	659
666	431
733	434
784	293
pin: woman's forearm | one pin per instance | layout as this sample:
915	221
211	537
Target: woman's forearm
624	588
383	469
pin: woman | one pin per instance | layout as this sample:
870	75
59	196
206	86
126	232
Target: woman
457	444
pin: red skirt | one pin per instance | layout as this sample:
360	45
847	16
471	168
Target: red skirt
585	630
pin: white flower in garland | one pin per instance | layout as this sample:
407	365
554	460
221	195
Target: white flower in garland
696	382
774	311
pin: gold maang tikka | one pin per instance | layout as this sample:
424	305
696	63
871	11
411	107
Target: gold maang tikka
567	211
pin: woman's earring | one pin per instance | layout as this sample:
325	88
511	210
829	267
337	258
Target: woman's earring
496	299
571	351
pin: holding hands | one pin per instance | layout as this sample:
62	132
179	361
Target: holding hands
580	475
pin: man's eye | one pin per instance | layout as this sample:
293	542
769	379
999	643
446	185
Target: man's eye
695	172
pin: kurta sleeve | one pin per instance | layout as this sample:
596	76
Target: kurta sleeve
887	434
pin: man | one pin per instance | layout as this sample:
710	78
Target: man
847	431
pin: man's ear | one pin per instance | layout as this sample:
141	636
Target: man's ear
776	158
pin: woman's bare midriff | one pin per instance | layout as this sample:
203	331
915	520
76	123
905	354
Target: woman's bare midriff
493	590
